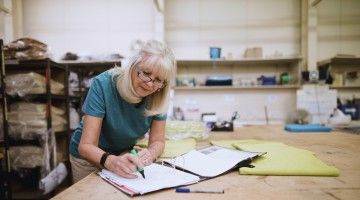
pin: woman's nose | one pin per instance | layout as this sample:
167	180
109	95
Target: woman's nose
150	84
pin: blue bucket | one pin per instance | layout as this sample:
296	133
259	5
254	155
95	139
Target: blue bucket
215	52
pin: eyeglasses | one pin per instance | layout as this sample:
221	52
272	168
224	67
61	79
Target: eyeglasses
146	78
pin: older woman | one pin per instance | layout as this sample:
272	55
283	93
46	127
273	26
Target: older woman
122	105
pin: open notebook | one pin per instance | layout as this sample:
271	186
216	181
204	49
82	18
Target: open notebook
212	161
193	167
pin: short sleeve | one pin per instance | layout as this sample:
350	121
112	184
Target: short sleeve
160	117
94	104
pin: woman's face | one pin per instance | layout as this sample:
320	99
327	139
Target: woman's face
145	80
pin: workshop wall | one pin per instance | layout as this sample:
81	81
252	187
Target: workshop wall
193	26
89	26
338	28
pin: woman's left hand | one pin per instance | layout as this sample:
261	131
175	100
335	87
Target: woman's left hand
145	155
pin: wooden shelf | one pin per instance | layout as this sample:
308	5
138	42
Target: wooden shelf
90	63
353	61
339	67
38	97
237	87
345	87
88	66
31	64
284	60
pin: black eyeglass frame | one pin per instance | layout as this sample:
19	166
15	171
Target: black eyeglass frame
148	79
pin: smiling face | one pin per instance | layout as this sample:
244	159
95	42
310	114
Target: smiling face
146	79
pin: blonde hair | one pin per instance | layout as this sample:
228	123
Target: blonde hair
153	54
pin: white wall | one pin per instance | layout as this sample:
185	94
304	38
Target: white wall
192	26
2	21
6	21
338	28
249	103
89	27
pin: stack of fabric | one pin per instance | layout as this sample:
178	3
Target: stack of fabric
177	130
25	49
280	159
27	120
30	83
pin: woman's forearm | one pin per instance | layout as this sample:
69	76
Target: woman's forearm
156	148
88	146
157	139
91	153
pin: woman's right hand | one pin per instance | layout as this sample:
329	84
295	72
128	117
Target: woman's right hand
124	165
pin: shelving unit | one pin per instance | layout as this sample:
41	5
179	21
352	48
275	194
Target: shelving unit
338	67
51	71
237	87
241	69
5	170
280	60
86	70
250	98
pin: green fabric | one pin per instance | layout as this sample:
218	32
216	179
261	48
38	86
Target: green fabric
284	160
177	130
174	148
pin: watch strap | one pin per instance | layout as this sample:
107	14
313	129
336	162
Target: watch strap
103	159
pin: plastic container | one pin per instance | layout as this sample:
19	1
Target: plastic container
215	52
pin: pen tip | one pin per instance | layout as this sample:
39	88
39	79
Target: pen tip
142	174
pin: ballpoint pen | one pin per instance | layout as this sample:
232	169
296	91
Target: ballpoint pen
141	170
188	190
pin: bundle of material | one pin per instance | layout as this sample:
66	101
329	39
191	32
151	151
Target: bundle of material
25	49
27	120
30	83
178	130
280	159
26	156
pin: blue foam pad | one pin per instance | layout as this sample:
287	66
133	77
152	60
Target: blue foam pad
307	128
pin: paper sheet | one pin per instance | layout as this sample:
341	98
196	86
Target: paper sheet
211	161
157	177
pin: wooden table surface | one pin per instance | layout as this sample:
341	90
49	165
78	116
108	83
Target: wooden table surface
338	149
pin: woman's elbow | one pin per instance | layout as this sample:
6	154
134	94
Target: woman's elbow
82	149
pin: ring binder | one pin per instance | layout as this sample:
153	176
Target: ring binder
189	168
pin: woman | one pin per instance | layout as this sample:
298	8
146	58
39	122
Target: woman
122	105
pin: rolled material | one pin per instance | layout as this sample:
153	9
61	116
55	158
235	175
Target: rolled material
53	179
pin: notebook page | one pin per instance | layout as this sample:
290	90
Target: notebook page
202	164
157	177
232	156
211	161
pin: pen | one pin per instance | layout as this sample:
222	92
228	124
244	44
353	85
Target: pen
187	190
141	170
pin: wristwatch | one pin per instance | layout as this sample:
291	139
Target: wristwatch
103	159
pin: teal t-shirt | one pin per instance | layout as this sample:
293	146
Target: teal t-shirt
123	122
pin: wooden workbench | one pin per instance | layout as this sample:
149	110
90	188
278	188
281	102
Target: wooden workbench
335	148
